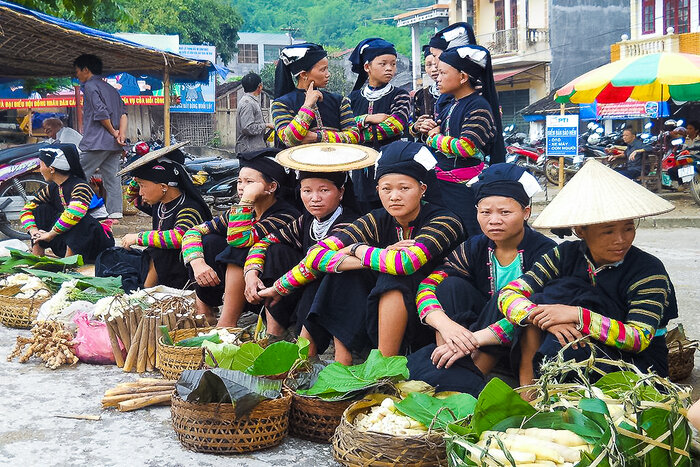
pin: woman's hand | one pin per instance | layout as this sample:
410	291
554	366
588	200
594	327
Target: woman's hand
401	244
43	236
376	119
253	191
129	239
34	233
310	137
204	274
271	296
443	356
253	285
434	131
566	333
458	338
546	316
312	96
426	125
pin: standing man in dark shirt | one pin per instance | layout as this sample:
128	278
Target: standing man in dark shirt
633	167
104	129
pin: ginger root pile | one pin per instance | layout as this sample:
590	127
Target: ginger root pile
50	341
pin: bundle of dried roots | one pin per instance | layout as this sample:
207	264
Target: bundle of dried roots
50	341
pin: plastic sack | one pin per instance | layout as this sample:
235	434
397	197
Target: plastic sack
93	341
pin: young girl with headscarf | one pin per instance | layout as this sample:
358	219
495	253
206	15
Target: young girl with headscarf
381	110
59	217
301	112
469	133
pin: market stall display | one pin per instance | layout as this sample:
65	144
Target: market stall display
50	341
21	296
138	394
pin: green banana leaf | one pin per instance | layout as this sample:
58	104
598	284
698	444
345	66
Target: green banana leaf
340	382
246	355
436	412
279	358
218	385
19	259
617	384
497	401
223	353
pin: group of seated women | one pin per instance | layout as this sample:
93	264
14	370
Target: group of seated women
424	250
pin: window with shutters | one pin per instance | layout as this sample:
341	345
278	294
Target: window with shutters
513	14
648	12
677	16
500	15
247	53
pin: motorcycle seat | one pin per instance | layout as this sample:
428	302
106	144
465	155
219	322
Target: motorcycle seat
222	167
21	152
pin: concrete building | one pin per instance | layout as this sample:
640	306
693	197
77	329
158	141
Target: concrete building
255	50
540	45
660	26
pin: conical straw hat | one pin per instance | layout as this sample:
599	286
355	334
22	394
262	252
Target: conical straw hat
598	194
151	156
325	157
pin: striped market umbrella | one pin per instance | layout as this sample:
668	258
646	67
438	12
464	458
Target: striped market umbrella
654	77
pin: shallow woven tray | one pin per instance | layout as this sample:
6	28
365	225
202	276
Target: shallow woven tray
173	360
352	447
681	359
315	419
19	312
214	428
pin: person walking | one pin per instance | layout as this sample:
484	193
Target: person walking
104	129
250	125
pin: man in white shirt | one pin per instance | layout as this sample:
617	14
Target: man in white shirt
57	133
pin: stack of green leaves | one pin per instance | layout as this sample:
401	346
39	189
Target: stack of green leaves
251	358
435	412
20	260
339	382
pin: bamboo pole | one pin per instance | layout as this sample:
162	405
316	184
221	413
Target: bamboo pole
166	106
78	109
561	158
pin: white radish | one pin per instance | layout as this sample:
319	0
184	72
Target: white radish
563	437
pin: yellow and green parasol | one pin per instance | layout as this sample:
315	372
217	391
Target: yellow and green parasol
653	77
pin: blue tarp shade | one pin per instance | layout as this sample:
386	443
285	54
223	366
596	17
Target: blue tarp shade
34	44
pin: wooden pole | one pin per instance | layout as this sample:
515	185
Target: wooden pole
78	109
166	106
561	158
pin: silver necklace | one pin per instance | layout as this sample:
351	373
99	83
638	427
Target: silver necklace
375	94
319	229
165	213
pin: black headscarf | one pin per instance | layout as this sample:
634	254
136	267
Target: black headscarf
502	180
453	35
475	61
166	170
405	157
426	51
264	162
57	155
366	51
293	60
337	178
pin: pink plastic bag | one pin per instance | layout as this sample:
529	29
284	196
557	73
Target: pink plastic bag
93	341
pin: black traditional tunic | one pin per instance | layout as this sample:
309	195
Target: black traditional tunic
625	306
277	253
65	209
346	305
424	103
389	100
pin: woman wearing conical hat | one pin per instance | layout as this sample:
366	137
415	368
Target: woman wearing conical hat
600	286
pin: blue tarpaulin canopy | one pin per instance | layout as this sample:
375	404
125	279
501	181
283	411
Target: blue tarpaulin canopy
34	44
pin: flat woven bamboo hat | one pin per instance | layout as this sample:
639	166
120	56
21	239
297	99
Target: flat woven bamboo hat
598	194
151	156
324	157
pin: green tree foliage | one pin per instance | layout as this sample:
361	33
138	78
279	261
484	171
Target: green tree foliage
85	11
337	83
336	23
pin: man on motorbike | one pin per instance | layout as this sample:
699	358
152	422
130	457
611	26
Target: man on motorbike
633	155
692	138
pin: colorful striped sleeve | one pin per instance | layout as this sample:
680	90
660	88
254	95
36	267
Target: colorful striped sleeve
390	128
647	299
324	256
426	299
192	240
240	231
77	207
503	330
26	215
457	147
291	128
439	235
287	235
348	133
513	299
171	239
477	130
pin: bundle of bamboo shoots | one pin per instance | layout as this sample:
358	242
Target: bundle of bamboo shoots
138	330
139	394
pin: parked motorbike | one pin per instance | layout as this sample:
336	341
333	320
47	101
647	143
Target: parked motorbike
19	182
216	178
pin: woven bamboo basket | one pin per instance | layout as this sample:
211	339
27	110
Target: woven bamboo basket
214	428
315	419
681	359
355	448
18	312
173	360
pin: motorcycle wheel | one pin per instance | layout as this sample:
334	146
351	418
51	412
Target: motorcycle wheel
551	171
695	187
30	185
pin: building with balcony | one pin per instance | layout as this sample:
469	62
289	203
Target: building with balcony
255	50
660	26
539	45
